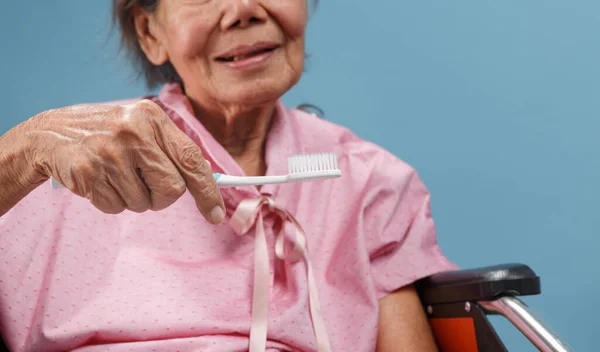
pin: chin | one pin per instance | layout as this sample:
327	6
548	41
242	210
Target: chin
258	91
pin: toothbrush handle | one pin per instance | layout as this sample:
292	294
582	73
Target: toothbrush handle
224	181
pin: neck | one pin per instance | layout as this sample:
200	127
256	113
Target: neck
242	132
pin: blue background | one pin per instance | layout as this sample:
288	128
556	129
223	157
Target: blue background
496	103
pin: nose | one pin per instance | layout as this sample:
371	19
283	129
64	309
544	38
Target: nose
243	13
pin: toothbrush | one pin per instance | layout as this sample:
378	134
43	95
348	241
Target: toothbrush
301	168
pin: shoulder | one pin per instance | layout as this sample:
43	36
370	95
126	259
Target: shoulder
365	162
316	131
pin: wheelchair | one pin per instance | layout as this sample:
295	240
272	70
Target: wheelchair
457	303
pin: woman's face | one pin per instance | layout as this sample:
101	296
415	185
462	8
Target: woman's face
240	52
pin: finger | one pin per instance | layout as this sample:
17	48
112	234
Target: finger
106	198
111	186
196	172
81	177
131	188
200	181
162	179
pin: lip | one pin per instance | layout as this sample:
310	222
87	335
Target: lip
243	50
251	62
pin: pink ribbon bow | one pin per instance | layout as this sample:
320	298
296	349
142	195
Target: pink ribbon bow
247	214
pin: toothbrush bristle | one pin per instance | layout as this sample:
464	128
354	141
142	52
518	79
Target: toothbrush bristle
312	162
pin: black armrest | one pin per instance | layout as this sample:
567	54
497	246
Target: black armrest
481	284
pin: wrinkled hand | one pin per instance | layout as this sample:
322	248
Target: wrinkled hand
123	157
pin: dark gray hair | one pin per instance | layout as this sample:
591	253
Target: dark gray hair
122	16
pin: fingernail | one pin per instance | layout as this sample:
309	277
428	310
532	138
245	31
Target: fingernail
208	163
217	215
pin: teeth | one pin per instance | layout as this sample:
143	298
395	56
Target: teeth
241	57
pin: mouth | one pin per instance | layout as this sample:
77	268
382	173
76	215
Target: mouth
247	52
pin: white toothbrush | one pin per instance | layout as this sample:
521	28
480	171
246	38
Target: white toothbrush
301	168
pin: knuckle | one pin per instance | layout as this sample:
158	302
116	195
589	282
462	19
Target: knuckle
191	158
165	196
175	189
146	108
146	105
149	114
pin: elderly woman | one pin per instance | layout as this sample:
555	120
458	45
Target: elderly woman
141	251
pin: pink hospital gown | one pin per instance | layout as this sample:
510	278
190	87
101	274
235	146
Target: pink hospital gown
73	278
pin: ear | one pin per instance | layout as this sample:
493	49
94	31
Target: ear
148	35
